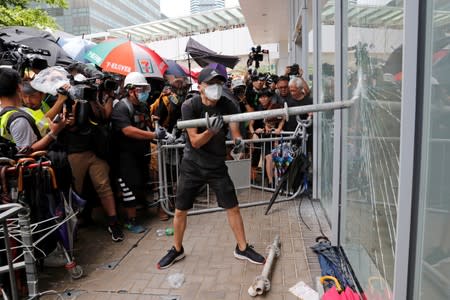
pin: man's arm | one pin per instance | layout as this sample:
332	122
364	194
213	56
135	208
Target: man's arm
235	132
138	134
198	139
57	107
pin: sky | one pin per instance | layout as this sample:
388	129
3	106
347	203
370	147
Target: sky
178	8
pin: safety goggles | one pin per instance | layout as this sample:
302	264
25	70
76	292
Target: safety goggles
141	89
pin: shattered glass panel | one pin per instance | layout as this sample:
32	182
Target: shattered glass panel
371	139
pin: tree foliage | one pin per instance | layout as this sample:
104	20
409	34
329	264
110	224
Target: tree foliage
18	12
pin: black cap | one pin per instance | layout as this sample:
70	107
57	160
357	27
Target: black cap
207	74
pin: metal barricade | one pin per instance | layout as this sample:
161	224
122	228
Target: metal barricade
13	228
250	192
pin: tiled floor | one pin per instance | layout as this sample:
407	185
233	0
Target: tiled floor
128	270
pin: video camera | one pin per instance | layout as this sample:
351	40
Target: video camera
294	70
22	57
92	84
256	55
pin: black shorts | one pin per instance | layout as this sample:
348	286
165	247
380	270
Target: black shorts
192	178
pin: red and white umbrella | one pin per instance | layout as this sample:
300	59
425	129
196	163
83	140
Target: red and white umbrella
123	56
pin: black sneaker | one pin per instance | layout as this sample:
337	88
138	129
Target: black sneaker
172	256
116	232
250	254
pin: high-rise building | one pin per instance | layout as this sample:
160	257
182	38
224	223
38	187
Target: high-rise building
91	16
205	5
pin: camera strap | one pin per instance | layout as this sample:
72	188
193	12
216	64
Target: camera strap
129	106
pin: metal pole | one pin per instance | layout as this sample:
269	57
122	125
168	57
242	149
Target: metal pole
9	210
160	169
27	240
262	282
271	113
9	259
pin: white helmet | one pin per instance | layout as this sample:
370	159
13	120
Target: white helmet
135	79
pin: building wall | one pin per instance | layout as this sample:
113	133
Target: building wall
85	17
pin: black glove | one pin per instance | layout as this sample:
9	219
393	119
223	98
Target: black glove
160	133
238	146
215	125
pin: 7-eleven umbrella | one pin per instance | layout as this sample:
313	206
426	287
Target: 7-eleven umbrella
123	56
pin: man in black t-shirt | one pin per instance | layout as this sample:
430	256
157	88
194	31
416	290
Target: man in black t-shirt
204	162
131	137
299	97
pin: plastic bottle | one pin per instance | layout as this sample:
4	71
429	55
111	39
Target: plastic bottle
161	232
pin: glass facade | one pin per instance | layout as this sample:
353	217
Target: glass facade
432	274
326	94
84	17
372	63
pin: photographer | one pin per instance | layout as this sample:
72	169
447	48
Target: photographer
253	90
82	141
131	138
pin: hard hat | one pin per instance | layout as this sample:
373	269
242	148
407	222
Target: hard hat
135	79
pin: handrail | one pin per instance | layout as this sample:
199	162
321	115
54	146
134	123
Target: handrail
9	210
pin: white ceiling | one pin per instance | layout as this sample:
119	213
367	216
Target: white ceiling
260	17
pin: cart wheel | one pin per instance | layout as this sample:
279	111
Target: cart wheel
76	272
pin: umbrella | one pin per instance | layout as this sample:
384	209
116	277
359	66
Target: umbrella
123	56
37	39
18	33
76	47
204	56
336	291
174	69
295	171
334	264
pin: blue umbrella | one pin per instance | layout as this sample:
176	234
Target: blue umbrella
174	69
76	47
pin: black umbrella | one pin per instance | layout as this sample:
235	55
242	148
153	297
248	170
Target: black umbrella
36	40
204	56
18	33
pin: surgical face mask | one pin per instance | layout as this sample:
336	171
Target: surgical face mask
213	92
143	96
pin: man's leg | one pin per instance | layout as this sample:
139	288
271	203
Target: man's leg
237	226
179	225
99	173
243	250
176	252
